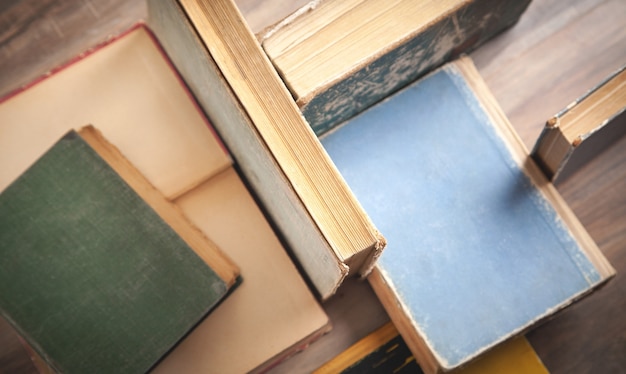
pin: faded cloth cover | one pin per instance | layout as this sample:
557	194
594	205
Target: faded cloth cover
476	253
90	275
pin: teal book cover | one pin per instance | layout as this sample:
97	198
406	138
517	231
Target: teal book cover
356	81
480	247
91	276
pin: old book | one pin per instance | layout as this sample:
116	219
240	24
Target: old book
339	57
583	129
384	351
481	245
100	272
128	89
261	14
282	159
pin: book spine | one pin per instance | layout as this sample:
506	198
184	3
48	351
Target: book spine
588	93
255	161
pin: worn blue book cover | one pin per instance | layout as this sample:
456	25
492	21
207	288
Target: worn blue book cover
480	245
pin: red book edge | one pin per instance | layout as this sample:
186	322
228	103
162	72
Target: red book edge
110	40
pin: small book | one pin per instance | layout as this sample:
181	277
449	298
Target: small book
128	89
320	220
100	273
583	129
481	245
384	351
339	57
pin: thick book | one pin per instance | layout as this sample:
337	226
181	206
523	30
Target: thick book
100	272
583	129
338	57
481	245
281	158
129	90
384	351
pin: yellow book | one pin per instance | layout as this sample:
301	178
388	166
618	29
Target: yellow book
384	351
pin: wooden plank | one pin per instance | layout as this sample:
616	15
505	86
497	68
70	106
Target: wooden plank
558	50
591	336
556	53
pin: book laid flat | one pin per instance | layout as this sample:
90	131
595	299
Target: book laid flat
247	328
128	89
100	272
583	129
280	157
480	245
339	57
384	351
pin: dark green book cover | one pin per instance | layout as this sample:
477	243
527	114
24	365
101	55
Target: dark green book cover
90	275
391	357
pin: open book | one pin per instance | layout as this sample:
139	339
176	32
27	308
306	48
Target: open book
584	128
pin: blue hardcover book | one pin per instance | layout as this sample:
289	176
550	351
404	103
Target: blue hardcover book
480	245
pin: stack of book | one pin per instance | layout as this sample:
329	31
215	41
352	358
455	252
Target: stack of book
117	255
182	197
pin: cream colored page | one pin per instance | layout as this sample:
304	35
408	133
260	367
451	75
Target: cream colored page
129	92
270	311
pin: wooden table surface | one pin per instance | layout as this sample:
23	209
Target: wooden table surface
557	51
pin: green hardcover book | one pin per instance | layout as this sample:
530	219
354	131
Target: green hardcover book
99	272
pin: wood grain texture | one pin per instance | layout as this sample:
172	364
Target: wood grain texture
32	31
92	275
555	54
557	51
